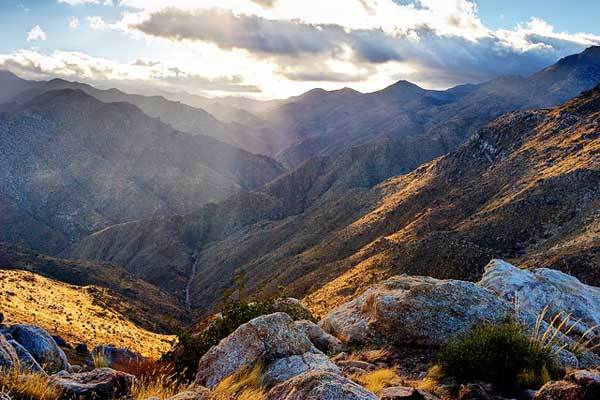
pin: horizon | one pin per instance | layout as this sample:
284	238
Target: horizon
166	92
276	49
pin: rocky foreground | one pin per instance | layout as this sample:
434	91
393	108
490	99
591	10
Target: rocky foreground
411	317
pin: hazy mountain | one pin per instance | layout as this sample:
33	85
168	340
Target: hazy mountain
524	187
255	136
320	121
12	85
71	165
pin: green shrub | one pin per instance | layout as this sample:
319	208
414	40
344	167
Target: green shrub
235	312
501	354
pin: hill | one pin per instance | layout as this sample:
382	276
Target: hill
508	192
79	314
145	305
71	165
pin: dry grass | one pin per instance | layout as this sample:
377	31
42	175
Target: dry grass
26	386
371	356
244	385
377	380
74	313
431	382
162	387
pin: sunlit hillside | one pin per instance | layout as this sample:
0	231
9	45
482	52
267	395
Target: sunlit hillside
76	313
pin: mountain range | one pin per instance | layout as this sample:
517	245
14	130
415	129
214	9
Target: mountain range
349	188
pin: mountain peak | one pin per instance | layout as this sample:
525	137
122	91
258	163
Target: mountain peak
403	86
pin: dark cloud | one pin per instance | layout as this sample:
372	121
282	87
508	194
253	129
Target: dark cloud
265	3
252	33
295	46
317	71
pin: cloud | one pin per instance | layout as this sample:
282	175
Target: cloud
141	74
445	45
73	23
248	32
80	2
36	33
265	3
97	23
285	47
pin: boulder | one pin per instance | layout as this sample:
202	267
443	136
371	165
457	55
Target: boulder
319	385
8	355
414	310
82	348
26	360
196	393
99	384
405	393
61	342
539	288
113	357
577	385
264	339
323	341
475	391
41	346
286	368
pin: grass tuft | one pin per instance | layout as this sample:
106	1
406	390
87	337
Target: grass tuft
28	386
243	385
377	380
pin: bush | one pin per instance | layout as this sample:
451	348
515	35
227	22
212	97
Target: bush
235	312
501	354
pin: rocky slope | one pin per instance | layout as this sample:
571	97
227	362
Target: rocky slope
524	187
368	341
71	165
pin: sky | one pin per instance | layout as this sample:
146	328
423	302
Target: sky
280	48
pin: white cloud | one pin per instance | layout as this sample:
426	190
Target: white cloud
80	2
97	23
288	46
138	74
73	23
36	33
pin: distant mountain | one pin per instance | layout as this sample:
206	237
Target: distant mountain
320	121
12	85
71	165
254	136
524	188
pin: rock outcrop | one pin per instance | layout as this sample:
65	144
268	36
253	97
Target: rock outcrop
325	342
41	346
271	339
8	356
26	360
113	357
195	393
577	385
319	385
414	311
405	393
99	384
542	288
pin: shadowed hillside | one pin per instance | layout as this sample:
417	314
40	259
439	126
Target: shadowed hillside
508	193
